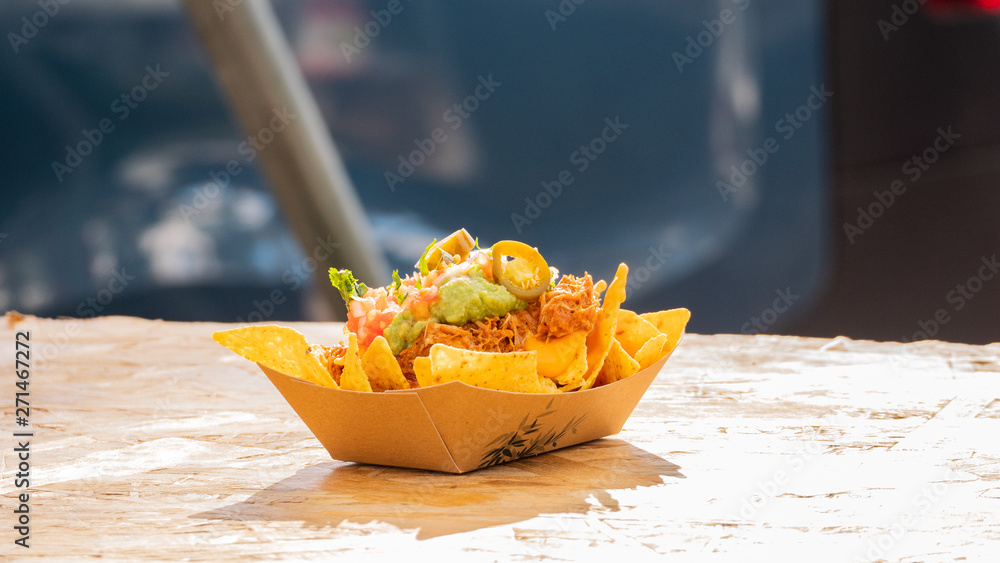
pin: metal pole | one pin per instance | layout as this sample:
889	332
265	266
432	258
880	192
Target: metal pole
266	89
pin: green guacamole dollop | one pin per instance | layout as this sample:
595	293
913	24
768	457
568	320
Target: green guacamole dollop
464	300
460	300
403	331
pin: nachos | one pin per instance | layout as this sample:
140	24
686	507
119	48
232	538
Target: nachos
498	317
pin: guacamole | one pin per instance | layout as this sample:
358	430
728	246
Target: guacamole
403	331
460	300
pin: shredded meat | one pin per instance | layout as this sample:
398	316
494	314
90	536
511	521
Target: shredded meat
503	334
569	307
433	333
328	355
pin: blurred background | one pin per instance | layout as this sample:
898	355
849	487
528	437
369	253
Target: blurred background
796	167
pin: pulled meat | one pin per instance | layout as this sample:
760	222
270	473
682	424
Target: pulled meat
328	356
503	334
433	333
569	307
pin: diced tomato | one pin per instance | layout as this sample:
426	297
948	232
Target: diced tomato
485	261
368	316
419	303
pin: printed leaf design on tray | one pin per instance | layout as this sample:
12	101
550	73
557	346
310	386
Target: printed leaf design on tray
526	440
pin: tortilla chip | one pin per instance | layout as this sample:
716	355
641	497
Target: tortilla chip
279	348
509	371
422	369
601	336
562	359
546	385
353	378
618	365
651	351
576	371
632	331
671	323
382	368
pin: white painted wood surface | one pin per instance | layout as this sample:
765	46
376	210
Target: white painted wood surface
153	442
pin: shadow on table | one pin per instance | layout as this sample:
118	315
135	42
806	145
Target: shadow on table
440	503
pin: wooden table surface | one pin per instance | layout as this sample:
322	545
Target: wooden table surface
152	441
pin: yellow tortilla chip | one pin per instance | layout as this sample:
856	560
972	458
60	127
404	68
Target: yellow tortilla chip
576	371
422	369
651	351
382	368
353	378
562	359
671	323
279	348
546	385
617	365
509	371
632	331
601	336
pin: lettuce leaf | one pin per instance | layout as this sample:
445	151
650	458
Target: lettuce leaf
349	287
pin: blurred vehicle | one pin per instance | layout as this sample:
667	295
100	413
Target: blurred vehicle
688	140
